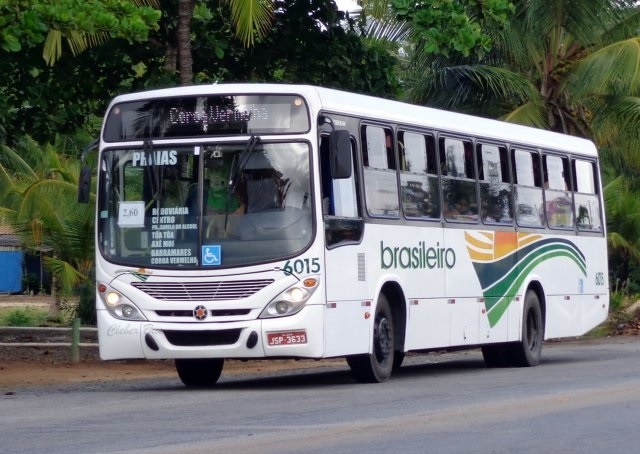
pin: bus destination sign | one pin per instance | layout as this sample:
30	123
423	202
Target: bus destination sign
198	116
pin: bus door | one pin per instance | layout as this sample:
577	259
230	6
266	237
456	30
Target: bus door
346	329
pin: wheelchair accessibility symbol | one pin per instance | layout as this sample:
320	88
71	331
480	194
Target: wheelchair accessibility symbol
211	255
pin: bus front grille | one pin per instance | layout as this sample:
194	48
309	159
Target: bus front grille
202	338
202	291
213	313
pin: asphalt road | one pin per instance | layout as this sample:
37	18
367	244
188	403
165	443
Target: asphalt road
584	397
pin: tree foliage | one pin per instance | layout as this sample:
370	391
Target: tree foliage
40	99
307	42
29	23
312	42
453	27
566	66
38	199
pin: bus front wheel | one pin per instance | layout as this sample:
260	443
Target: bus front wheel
376	367
201	372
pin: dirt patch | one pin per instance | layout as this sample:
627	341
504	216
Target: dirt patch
21	373
23	301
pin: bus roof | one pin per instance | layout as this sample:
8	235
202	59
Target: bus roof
364	106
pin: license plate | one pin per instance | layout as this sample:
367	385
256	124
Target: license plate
287	338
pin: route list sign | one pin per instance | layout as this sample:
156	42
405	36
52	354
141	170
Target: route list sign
167	225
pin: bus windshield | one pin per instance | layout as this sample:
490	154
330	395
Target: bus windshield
228	204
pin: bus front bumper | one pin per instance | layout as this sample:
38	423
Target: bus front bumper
299	335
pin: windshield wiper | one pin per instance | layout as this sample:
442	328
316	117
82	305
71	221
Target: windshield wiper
238	166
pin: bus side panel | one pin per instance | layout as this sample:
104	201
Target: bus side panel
465	320
578	301
560	278
416	260
347	331
428	324
500	332
463	289
595	301
428	314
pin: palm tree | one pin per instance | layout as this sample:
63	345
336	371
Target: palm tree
623	228
559	64
251	19
38	199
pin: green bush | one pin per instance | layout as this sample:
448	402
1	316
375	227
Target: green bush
21	317
87	304
31	284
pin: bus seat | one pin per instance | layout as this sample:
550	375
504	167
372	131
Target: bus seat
262	194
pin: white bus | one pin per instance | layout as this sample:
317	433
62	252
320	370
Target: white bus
284	221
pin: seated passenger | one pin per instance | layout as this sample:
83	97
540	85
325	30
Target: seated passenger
460	209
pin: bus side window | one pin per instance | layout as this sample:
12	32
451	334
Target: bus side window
458	180
495	184
586	200
380	181
558	199
527	194
418	175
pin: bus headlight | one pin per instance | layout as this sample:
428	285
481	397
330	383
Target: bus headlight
119	306
292	300
112	299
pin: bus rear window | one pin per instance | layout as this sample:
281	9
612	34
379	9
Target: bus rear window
197	116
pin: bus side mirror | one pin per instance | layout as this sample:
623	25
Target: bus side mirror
340	154
84	185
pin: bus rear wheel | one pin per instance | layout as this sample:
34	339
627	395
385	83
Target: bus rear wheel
527	352
199	373
376	367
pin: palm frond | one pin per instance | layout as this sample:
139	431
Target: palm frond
79	42
613	191
52	50
11	161
67	277
616	121
388	29
585	21
612	69
529	114
252	19
474	87
626	24
618	242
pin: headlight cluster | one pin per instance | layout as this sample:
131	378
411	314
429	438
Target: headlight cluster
119	306
292	300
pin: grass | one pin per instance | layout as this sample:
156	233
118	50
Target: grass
29	316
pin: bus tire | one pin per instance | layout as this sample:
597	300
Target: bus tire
199	373
398	358
496	355
377	366
527	352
